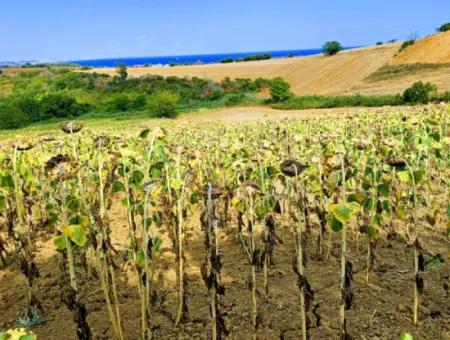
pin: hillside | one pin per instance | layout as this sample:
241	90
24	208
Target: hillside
307	75
432	49
346	73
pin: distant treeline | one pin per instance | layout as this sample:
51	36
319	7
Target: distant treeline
255	57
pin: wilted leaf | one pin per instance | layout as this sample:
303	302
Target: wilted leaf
176	183
344	211
403	176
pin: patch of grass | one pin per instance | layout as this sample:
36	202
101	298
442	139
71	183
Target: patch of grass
325	102
396	71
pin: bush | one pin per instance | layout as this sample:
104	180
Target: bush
331	48
444	28
419	92
232	99
11	117
58	105
406	44
30	107
164	104
279	89
119	103
122	71
227	60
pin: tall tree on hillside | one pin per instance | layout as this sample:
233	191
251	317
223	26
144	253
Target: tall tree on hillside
122	71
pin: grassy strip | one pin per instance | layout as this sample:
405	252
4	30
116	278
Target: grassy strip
325	102
396	71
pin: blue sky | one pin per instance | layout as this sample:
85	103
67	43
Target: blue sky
85	29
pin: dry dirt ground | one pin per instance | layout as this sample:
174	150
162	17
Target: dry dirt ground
381	309
432	49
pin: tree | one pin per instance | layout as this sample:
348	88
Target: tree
164	104
279	89
122	71
419	92
332	47
444	28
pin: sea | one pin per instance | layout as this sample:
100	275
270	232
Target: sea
190	59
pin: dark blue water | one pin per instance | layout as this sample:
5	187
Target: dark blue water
189	59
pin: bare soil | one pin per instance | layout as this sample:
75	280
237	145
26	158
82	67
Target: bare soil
381	309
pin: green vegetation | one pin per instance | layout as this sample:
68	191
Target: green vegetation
38	95
227	60
122	72
397	71
406	44
164	104
255	57
331	48
325	102
280	90
444	28
419	92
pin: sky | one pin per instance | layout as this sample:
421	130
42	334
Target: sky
59	30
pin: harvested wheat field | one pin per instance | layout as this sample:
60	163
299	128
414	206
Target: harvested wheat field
432	49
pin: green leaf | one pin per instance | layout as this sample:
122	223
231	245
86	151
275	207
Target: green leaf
356	197
403	176
136	177
383	189
406	336
144	133
344	211
369	204
334	223
2	203
7	182
434	263
118	186
60	242
72	204
195	198
448	210
140	258
176	183
146	223
419	175
79	236
27	337
156	244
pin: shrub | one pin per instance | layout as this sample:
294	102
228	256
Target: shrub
379	43
406	44
232	99
279	89
164	104
138	102
227	60
122	71
30	107
331	48
11	117
444	28
58	105
119	103
419	92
